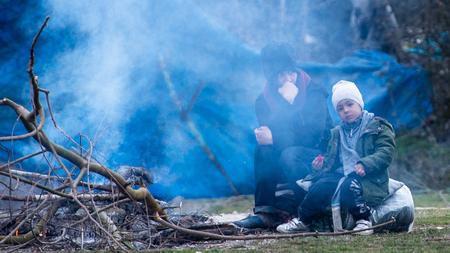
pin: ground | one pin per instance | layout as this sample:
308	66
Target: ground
431	231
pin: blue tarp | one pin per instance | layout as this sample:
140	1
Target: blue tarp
396	92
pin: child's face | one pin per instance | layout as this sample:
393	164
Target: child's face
348	110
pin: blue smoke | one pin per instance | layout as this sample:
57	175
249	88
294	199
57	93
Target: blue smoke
102	68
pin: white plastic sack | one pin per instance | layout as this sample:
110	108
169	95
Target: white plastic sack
398	204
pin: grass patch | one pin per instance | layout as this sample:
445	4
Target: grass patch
420	240
434	199
432	217
407	144
431	232
422	163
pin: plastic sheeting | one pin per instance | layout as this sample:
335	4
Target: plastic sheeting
399	93
400	205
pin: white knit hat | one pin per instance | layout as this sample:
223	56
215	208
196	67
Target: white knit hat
346	90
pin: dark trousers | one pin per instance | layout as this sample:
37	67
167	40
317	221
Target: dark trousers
280	167
318	199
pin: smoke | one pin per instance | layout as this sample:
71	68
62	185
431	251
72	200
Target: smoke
101	62
94	78
107	85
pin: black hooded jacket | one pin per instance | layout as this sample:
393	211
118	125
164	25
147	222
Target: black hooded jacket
306	122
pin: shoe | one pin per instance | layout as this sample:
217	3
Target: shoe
293	226
251	222
363	224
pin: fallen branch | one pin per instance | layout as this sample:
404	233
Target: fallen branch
30	182
102	210
38	229
262	237
38	176
82	196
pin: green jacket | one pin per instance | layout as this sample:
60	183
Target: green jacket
376	148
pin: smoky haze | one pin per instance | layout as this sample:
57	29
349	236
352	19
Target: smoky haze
106	83
101	62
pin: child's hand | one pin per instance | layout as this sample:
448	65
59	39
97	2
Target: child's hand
359	169
263	135
317	163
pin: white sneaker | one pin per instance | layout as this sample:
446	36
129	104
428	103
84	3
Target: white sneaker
363	224
293	226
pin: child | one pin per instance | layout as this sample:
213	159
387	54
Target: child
359	152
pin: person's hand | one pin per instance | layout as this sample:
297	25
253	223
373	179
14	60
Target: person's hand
263	135
317	163
288	91
359	169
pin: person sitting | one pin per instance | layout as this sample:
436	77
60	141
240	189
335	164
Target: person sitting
359	153
293	122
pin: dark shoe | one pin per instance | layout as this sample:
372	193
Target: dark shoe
251	222
293	226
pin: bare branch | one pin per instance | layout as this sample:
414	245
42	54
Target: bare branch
33	80
102	210
81	197
37	230
21	159
185	112
193	128
262	237
17	108
30	182
38	110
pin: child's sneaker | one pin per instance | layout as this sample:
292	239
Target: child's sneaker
293	226
363	224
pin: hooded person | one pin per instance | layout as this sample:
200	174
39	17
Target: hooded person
354	173
294	123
